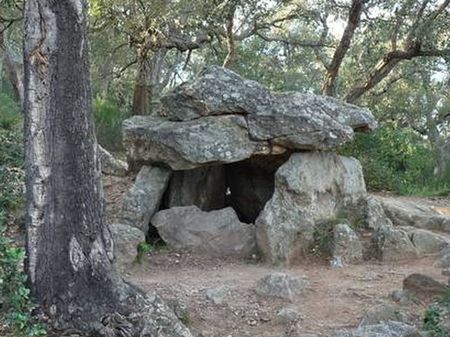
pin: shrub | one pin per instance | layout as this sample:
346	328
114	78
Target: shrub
396	159
108	121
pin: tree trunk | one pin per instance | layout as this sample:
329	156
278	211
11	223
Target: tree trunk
69	247
142	89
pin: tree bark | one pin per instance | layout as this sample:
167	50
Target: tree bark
69	247
141	93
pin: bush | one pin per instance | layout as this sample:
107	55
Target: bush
397	160
108	121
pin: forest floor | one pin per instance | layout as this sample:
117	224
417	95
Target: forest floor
335	299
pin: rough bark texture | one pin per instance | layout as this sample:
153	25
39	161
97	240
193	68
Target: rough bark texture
69	248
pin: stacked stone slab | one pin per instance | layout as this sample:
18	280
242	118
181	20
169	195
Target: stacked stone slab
231	142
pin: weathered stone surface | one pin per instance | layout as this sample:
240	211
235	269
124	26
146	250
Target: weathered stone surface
126	240
423	286
309	187
217	232
203	187
281	285
346	244
191	144
375	214
144	197
251	184
223	118
385	329
287	315
394	245
384	313
111	165
218	295
404	212
220	91
444	260
427	242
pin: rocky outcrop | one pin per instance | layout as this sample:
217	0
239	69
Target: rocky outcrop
427	242
217	233
385	329
309	187
222	118
144	197
415	213
424	287
126	240
394	245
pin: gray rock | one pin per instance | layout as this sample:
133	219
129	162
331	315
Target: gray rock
375	214
191	144
424	287
346	244
218	295
203	187
384	312
144	197
310	187
111	165
402	297
287	315
223	118
220	91
394	245
217	232
386	329
126	240
419	214
427	242
444	260
281	285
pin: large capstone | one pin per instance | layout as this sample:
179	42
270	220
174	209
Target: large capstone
309	188
222	118
218	233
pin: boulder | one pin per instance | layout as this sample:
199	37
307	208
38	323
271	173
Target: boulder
427	242
281	285
144	197
394	245
309	188
384	313
424	287
375	214
346	244
385	329
126	240
111	165
203	187
222	118
217	232
444	260
415	213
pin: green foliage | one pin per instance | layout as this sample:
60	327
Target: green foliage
108	122
432	322
396	159
15	303
323	236
142	249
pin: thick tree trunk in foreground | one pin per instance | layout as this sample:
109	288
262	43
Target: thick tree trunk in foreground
142	90
69	248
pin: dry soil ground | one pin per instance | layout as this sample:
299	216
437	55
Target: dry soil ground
336	298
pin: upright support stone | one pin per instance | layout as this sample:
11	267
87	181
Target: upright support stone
144	197
309	187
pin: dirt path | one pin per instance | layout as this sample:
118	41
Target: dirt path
337	298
